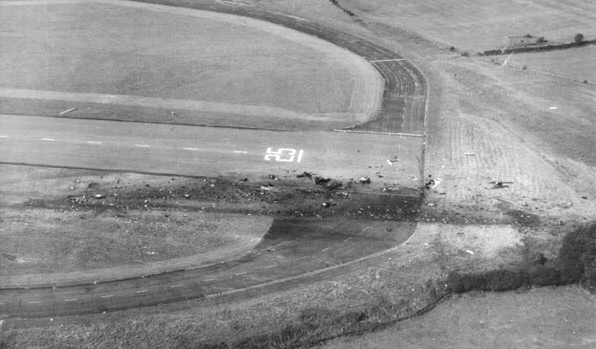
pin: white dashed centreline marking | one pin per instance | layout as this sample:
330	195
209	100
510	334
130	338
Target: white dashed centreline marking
48	139
71	300
34	302
142	145
194	149
175	286
325	249
93	142
108	296
3	136
240	152
141	291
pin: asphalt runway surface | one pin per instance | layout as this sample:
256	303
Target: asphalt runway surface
287	254
199	151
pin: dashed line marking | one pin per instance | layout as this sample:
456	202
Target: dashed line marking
34	302
325	249
1	303
240	152
174	286
108	296
48	139
271	266
141	291
190	148
71	300
3	136
142	145
67	111
93	142
238	274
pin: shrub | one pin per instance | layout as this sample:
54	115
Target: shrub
577	256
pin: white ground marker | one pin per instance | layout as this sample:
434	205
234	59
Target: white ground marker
142	145
67	111
193	149
108	296
3	136
175	286
48	139
34	302
141	291
300	153
240	152
71	300
93	142
507	60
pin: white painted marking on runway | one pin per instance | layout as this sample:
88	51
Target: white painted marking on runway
553	108
142	291
194	149
300	153
142	145
48	139
325	249
71	300
238	274
3	136
67	111
240	152
108	296
34	302
174	286
388	60
93	142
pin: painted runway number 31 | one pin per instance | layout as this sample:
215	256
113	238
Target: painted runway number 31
284	155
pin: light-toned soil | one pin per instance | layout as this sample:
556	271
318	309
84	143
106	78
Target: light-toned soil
538	318
176	66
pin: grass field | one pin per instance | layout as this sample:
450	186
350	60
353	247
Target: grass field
49	241
481	25
230	67
577	64
494	321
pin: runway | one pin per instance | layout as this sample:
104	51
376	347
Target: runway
202	151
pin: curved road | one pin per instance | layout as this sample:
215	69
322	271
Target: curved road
296	257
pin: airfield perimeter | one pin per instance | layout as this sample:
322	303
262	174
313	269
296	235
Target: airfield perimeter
249	154
486	122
